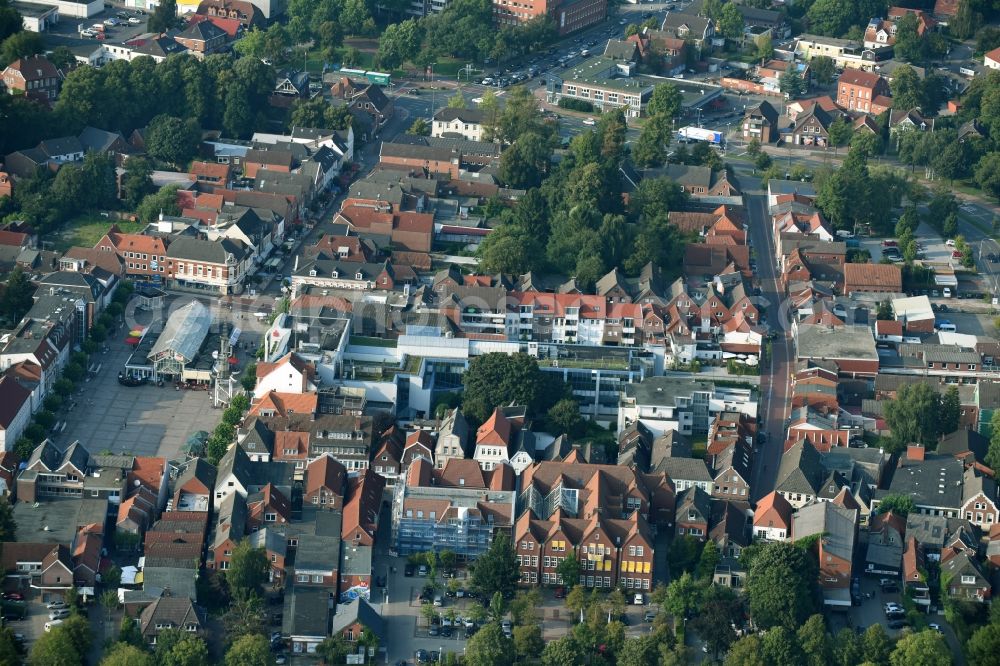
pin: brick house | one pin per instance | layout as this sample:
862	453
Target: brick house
351	620
275	547
732	472
365	100
326	482
44	566
568	16
857	89
245	12
202	38
266	507
144	256
812	128
694	509
35	77
210	172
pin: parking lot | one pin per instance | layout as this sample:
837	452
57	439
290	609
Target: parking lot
68	31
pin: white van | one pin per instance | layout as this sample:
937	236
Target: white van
947	328
946	292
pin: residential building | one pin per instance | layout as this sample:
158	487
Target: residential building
35	77
772	518
365	101
352	619
305	619
459	507
800	474
221	265
857	89
15	410
837	530
992	59
464	123
171	612
688	27
965	578
683	404
761	122
694	511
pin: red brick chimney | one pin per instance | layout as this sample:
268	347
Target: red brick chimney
915	452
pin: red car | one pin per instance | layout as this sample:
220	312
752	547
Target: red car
956	255
13	596
560	593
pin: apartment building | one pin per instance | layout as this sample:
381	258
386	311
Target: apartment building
607	83
681	403
464	123
857	90
460	507
220	266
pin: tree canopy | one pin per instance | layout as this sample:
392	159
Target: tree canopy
498	379
781	585
497	570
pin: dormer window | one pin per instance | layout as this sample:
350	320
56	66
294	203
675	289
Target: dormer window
312	273
358	276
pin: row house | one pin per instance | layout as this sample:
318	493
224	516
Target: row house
220	266
336	274
772	518
837	529
144	256
613	552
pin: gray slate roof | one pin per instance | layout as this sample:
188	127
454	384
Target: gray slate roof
358	611
800	470
834	522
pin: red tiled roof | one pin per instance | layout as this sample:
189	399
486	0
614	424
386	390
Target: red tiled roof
773	502
887	327
284	403
859	77
13	238
209	170
880	276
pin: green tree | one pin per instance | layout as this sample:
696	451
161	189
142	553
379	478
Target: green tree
913	417
830	18
525	163
718	613
398	43
993	454
708	561
901	505
175	647
528	643
497	570
248	569
823	69
173	139
963	24
876	645
765	48
318	112
129	634
983	646
164	17
55	648
500	379
779	647
137	181
815	642
840	132
847	650
906	89
730	23
123	654
951	411
683	595
641	651
9	652
569	570
163	201
665	101
987	174
419	128
748	651
249	650
510	249
489	647
17	296
20	45
924	648
565	651
333	649
565	414
781	585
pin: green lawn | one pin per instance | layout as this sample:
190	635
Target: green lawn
86	231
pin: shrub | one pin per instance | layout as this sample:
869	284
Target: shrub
575	104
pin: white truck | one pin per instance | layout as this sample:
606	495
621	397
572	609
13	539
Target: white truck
689	134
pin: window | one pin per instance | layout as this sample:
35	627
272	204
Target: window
302	578
968	580
270	517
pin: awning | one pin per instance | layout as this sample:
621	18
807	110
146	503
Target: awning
838	597
128	575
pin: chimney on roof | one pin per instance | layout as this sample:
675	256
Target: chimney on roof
915	452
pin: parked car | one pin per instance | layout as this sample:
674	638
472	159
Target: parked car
56	605
897	624
639	599
649	616
560	593
438	601
59	614
134	20
506	627
589	121
422	570
950	243
408	570
422	656
434	630
446	632
13	596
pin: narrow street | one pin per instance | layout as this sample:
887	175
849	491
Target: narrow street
774	381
